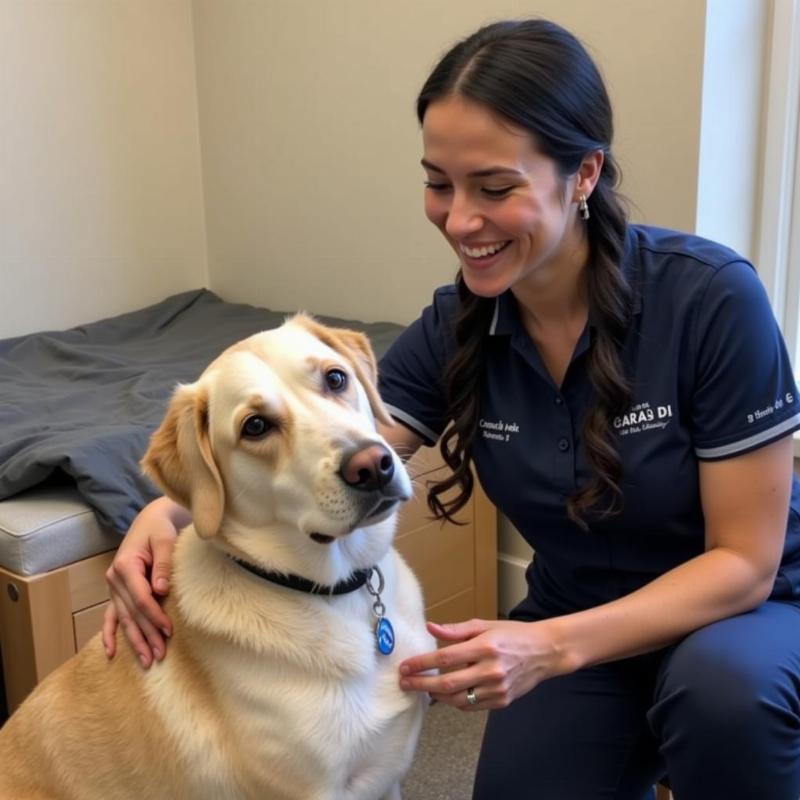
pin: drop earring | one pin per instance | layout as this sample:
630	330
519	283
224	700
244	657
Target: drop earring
583	207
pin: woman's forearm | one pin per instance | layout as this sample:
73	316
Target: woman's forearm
179	516
717	584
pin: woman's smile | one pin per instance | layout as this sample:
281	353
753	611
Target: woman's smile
482	256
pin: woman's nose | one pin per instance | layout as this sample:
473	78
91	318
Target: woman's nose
462	218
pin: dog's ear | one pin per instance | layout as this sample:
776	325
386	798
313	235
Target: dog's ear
180	462
355	347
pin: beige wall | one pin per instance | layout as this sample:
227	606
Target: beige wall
311	147
100	178
309	144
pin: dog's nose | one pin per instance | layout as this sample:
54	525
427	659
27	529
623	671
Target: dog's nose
369	469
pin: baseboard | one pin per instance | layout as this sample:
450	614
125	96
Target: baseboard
511	584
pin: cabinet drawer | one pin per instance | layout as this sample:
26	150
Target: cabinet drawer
87	623
454	609
442	557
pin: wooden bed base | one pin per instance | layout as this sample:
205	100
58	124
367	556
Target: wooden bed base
45	618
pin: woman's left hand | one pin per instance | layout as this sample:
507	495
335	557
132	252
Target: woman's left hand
498	660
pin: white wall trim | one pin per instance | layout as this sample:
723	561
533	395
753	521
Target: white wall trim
511	584
780	148
735	62
792	321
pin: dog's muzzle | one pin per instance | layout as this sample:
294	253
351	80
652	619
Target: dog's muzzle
369	469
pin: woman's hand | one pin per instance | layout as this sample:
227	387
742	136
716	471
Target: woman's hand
147	548
499	660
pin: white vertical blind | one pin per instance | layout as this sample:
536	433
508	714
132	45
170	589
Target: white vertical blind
792	305
779	225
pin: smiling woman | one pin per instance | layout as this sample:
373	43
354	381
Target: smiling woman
509	174
614	353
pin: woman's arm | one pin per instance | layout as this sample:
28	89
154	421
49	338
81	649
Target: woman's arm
147	546
403	440
745	503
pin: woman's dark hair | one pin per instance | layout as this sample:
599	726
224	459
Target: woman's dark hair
539	76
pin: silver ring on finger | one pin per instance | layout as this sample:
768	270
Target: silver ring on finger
472	698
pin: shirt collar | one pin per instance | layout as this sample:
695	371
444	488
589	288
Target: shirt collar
506	316
506	321
632	267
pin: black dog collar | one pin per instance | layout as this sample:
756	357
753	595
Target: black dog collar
355	581
384	632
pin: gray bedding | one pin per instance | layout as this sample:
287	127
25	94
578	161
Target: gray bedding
83	402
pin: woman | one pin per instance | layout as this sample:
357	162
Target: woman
627	400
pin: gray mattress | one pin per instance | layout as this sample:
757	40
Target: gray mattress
77	408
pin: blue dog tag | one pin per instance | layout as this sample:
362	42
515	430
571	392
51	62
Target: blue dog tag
384	636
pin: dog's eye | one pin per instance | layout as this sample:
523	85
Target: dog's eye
336	380
255	427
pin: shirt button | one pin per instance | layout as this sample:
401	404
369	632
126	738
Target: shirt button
559	401
563	444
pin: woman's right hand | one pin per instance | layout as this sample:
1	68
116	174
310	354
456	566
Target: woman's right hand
146	548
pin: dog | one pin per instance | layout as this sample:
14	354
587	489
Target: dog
291	609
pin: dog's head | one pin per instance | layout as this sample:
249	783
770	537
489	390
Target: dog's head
279	433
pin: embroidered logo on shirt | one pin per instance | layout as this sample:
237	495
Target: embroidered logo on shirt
643	417
779	403
500	431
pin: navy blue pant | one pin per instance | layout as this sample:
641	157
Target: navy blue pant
719	713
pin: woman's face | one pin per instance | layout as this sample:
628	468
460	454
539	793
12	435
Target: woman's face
499	202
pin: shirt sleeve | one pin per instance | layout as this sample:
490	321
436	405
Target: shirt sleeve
745	395
411	373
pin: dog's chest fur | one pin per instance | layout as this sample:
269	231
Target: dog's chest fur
313	700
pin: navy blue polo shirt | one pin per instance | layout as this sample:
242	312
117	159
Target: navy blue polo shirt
711	379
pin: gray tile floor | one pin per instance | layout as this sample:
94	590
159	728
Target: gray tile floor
446	756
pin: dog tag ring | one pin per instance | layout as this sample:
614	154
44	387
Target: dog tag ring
384	632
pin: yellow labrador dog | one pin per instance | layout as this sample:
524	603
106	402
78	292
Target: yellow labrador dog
291	609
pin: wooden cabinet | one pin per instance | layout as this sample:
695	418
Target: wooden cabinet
43	620
456	564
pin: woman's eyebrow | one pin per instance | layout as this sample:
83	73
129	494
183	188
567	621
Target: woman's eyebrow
479	173
431	167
